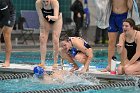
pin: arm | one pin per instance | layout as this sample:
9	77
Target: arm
55	5
137	54
130	4
80	8
64	55
120	45
89	54
79	44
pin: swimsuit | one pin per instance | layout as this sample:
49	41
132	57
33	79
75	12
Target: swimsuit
73	51
131	49
48	12
116	21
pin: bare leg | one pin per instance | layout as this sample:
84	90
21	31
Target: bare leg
111	48
44	32
57	27
133	69
120	69
7	37
65	56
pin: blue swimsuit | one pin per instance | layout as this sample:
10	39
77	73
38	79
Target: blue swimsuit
73	51
116	21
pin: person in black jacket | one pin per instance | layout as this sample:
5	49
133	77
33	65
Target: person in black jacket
7	21
78	10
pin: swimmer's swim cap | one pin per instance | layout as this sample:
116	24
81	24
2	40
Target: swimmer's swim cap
38	71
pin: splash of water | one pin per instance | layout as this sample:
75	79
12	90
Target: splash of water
80	79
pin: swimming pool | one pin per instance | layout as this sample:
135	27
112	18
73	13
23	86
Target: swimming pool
127	89
31	85
99	60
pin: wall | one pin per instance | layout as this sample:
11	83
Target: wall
30	5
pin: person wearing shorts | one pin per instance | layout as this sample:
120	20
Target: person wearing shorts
118	14
7	21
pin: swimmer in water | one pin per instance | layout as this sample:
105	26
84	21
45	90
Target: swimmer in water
54	77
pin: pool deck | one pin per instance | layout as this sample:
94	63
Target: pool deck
26	68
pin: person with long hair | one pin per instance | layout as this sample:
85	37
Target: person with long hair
50	19
129	45
76	49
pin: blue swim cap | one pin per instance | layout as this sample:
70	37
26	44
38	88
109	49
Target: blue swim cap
38	71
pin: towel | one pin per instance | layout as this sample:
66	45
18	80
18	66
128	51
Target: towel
134	13
103	11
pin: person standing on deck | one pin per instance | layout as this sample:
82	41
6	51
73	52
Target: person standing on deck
119	12
7	21
50	18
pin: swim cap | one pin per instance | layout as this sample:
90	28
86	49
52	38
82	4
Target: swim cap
38	71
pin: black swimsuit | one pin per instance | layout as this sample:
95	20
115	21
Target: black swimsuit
48	12
131	49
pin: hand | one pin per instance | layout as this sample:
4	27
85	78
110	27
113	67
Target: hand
127	65
49	17
119	45
119	50
84	70
79	15
108	68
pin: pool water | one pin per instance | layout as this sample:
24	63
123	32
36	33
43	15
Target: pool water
130	89
31	84
21	85
99	60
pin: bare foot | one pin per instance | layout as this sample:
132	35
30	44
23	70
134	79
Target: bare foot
83	70
74	69
6	65
106	69
55	66
42	65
